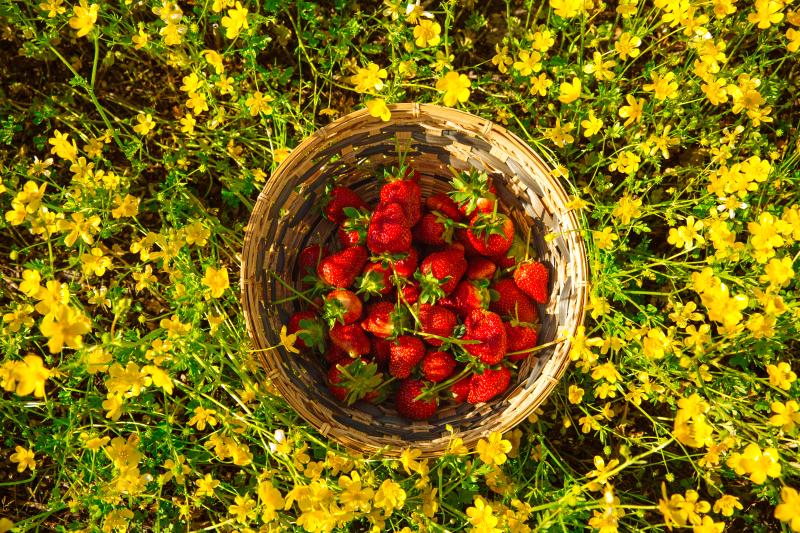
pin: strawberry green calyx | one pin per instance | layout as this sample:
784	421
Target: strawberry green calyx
312	333
469	187
430	287
333	311
359	379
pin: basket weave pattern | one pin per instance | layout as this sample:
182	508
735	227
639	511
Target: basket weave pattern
354	150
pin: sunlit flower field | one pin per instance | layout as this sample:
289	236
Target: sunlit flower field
136	135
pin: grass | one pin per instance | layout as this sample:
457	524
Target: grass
134	138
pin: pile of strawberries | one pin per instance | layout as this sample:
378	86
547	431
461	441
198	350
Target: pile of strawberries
424	301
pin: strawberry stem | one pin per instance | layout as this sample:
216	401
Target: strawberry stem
292	289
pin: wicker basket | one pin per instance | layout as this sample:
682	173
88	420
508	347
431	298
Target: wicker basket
353	150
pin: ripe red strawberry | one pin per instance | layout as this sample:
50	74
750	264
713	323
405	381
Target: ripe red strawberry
460	389
334	378
379	320
389	230
335	354
350	338
353	230
436	320
509	301
309	257
341	268
408	265
407	406
438	366
442	271
433	229
444	204
407	194
483	205
375	279
491	234
380	350
410	292
294	326
532	278
468	295
349	238
480	268
404	354
342	306
486	327
338	199
483	387
520	337
473	191
504	261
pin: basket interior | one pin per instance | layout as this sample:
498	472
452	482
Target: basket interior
356	160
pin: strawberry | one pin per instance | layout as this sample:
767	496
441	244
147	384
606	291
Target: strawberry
486	327
350	338
375	279
334	378
436	320
472	191
532	278
354	380
294	326
440	272
438	366
410	292
337	200
404	354
467	296
309	257
433	229
353	230
480	268
460	389
490	233
380	350
341	268
389	230
504	261
509	301
520	338
444	204
379	319
408	265
335	354
483	387
342	306
407	194
406	404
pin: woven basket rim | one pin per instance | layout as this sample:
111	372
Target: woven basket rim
490	131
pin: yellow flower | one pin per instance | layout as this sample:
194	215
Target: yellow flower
633	111
62	147
540	84
24	459
687	236
235	21
501	59
271	500
29	375
65	325
125	207
778	272
145	123
794	40
203	416
84	17
244	507
663	86
389	496
216	279
377	108
768	12
726	504
31	282
455	86
409	459
528	63
575	394
707	525
206	486
604	239
259	103
787	415
53	8
481	517
789	509
781	375
627	46
187	123
560	135
570	91
95	262
214	59
289	340
758	463
427	33
494	450
369	79
567	8
141	39
600	68
592	125
159	378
